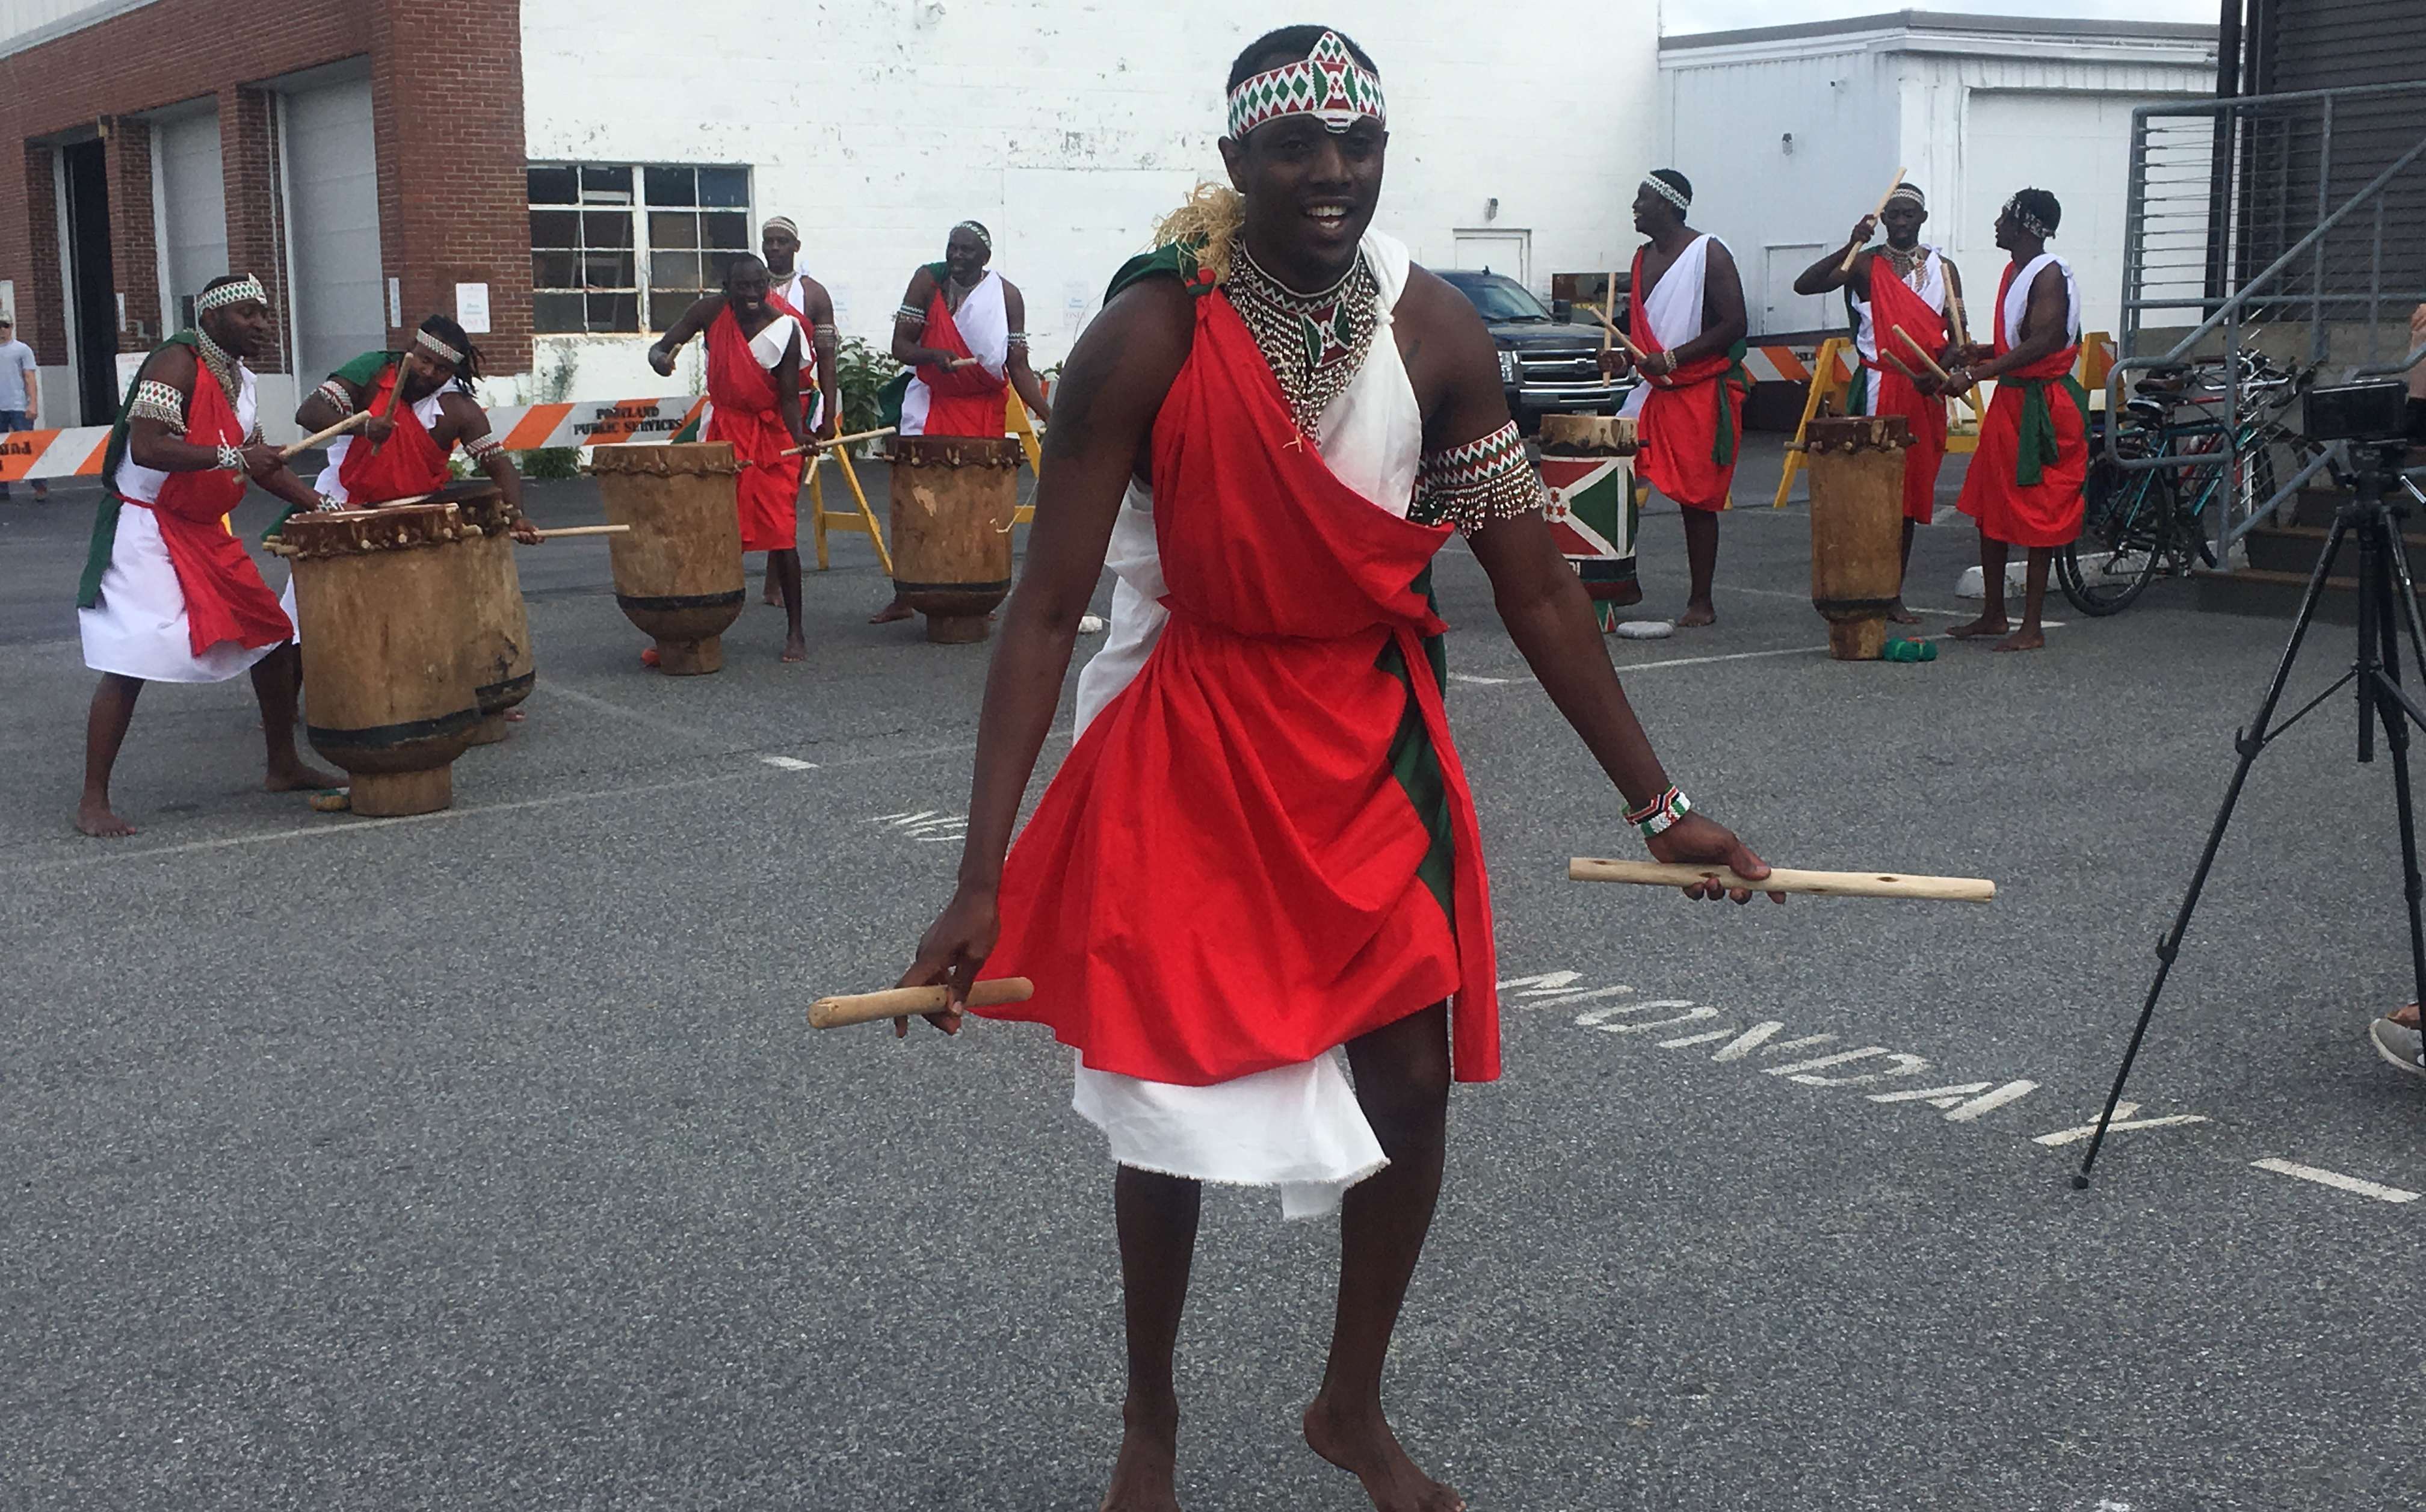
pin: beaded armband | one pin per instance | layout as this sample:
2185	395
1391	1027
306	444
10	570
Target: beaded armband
335	392
1484	481
483	448
1017	338
154	401
1660	814
909	315
823	331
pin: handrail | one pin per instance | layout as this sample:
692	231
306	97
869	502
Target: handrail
2393	370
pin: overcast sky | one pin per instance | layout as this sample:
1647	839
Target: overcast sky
1727	15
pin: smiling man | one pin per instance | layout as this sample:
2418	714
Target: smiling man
1259	866
754	395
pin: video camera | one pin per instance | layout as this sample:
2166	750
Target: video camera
2371	413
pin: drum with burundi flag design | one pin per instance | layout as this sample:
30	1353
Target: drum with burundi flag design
1588	467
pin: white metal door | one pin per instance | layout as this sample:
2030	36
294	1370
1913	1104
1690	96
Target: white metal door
1782	310
190	204
1506	253
333	219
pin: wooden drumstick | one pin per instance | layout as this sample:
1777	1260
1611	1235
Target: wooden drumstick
901	1002
842	441
1917	350
1852	252
1623	340
352	422
393	395
584	530
1896	362
1609	309
1821	884
1962	326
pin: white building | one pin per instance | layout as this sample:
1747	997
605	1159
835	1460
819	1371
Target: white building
1792	133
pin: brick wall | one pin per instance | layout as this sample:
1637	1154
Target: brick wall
134	241
40	293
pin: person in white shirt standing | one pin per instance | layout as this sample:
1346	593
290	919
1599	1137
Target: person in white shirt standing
21	393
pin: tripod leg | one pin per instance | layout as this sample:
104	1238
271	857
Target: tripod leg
2396	735
2249	743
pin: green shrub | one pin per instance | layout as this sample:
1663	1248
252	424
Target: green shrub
549	464
860	370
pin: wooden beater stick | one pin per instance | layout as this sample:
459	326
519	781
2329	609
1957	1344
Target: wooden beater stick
1623	340
1927	361
1823	884
393	395
1962	326
1609	309
1896	362
841	440
1847	265
901	1002
585	530
352	422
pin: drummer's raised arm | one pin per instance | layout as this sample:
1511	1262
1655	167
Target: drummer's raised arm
693	321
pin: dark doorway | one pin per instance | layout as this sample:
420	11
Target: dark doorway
92	284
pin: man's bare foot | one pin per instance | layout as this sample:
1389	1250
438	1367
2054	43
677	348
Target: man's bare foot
1899	615
300	776
795	649
2021	640
1973	630
1145	1477
1696	616
2405	1017
94	818
1361	1443
891	613
772	599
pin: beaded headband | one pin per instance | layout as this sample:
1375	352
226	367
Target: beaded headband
247	287
979	232
1669	192
2028	221
1907	191
430	343
782	223
1327	84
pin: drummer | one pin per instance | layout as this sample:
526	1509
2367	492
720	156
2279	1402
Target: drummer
403	448
806	301
168	593
962	331
753	389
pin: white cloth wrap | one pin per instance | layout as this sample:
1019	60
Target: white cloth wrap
1673	307
1932	292
2017	300
813	399
773	340
985	325
1297	1128
137	627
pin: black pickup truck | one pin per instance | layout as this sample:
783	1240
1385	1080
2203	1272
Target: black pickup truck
1550	364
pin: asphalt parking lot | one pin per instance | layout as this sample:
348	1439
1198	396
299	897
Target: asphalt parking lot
485	1160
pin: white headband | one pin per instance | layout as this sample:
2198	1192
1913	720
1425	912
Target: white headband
1668	191
247	287
1327	84
979	232
784	224
437	348
1907	191
2028	221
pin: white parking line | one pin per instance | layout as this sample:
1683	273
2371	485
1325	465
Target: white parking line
789	763
2335	1179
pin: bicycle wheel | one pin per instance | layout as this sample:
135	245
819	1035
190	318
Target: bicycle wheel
2125	520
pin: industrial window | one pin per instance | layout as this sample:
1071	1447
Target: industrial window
622	247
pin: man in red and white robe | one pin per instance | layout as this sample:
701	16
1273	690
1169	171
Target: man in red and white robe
792	291
2024	486
1259	866
169	594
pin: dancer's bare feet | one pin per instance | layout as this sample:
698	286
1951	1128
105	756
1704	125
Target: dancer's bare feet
1973	630
1697	613
1145	1477
1899	615
795	649
2021	640
298	776
891	613
1360	1441
94	818
772	599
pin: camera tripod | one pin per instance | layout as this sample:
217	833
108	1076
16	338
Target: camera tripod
2388	606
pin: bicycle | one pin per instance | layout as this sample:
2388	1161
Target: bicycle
2138	522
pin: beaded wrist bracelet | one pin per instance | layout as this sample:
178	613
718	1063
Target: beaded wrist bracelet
230	457
1660	814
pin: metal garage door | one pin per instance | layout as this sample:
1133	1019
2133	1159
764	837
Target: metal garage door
191	202
332	220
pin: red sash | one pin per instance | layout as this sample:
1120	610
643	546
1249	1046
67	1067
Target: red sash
1227	874
225	598
744	413
1692	423
1895	306
967	402
2046	512
408	462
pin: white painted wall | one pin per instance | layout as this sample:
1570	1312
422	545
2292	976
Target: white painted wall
1068	126
30	22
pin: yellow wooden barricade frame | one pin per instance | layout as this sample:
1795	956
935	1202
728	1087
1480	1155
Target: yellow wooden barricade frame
1832	379
1015	422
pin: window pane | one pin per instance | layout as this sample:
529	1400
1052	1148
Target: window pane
724	187
554	270
729	232
674	228
614	312
666	306
602	185
556	228
717	264
552	185
673	185
674	271
607	270
556	313
606	228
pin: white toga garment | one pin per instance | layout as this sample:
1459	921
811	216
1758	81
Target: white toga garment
1673	307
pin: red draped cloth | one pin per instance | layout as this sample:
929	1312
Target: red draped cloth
408	462
2024	483
225	598
1692	423
966	401
1229	871
745	414
1895	306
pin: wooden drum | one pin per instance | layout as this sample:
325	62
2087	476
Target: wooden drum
1856	467
1588	466
387	689
678	573
953	499
500	647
